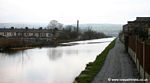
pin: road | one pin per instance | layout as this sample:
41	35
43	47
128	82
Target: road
118	65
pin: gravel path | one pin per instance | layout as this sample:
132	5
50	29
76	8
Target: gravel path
118	65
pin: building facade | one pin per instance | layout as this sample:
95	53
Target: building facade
139	27
26	33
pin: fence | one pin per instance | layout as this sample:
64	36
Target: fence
140	53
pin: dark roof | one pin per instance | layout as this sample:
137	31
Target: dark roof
125	25
24	30
142	19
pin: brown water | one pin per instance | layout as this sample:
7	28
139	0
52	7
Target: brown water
49	65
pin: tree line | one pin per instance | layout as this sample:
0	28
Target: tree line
70	32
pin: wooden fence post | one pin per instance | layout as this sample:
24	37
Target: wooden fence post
144	59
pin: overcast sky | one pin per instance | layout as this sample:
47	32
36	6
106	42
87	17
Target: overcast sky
68	11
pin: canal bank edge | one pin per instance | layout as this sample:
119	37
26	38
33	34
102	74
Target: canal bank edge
92	68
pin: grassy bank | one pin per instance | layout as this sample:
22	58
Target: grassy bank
93	68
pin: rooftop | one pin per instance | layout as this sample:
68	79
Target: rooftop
142	19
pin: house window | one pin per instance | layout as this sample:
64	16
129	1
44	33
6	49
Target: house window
27	34
33	34
148	31
16	33
12	34
5	33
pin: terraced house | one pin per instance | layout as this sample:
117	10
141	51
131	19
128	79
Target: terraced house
40	33
140	28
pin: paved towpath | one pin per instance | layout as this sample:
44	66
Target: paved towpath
118	64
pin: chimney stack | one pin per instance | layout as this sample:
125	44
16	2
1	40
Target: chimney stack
77	25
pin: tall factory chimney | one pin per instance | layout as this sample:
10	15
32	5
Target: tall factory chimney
77	25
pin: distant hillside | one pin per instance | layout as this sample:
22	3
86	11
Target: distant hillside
108	29
23	25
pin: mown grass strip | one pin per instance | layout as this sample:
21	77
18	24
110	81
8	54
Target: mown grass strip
93	68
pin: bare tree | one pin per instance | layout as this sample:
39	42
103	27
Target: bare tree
54	24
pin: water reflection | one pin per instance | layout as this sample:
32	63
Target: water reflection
71	51
48	65
54	53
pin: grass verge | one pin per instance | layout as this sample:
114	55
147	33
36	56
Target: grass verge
93	68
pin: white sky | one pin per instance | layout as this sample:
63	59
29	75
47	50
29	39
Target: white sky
68	11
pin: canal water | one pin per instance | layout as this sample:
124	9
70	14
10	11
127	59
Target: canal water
50	64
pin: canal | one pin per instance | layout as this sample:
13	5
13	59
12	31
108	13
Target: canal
50	64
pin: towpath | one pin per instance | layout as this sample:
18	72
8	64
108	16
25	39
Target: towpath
118	65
